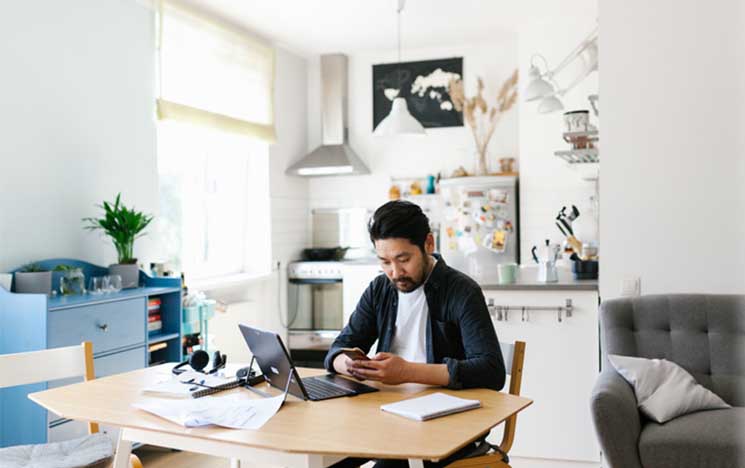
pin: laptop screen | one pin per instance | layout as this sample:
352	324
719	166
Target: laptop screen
273	359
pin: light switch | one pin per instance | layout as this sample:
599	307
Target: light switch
631	287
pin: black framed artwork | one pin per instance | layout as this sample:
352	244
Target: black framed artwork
424	84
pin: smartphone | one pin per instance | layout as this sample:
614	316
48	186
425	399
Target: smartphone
355	353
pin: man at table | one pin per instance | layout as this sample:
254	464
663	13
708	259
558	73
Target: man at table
430	320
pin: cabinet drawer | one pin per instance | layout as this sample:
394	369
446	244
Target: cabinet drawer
109	326
107	365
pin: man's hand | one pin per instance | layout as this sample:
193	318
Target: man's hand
383	367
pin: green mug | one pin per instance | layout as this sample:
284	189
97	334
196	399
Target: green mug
507	273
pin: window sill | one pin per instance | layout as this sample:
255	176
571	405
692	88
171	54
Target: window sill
227	281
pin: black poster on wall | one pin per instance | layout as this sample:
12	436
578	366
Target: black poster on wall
424	84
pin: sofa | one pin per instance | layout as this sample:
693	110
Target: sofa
704	334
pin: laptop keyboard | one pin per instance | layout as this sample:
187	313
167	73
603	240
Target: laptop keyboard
320	389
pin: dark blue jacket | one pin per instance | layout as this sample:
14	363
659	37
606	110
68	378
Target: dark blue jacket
460	332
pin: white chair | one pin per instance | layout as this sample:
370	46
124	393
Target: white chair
94	450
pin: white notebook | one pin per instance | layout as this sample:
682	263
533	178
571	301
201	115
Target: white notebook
430	406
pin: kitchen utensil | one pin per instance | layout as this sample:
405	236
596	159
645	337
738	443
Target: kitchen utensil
576	245
547	272
535	257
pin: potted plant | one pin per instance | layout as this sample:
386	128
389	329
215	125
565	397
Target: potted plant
33	279
123	225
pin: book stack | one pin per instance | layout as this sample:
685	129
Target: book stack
154	322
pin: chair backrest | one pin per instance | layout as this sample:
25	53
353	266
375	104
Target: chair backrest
514	357
703	333
48	365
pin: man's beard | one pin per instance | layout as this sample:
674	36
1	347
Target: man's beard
406	284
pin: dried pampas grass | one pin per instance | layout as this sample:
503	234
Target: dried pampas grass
478	115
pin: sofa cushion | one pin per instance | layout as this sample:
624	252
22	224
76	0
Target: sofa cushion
706	439
89	451
663	389
703	333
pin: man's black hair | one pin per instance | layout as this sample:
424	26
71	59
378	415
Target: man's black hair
399	219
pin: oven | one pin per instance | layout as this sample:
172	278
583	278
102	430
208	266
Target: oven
314	310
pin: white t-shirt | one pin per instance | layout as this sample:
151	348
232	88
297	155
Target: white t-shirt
410	340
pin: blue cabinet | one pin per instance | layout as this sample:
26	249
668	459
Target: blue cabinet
116	324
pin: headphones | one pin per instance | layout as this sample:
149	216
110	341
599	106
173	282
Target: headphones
199	360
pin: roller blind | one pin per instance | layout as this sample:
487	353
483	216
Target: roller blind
212	75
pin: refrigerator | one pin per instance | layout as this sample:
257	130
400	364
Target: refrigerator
479	226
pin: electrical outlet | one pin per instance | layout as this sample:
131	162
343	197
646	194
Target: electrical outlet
631	287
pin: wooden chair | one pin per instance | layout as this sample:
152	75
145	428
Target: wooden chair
514	355
49	365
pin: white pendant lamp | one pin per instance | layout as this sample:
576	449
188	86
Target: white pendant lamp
399	121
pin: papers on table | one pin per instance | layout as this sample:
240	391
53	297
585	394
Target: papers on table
183	385
235	411
430	406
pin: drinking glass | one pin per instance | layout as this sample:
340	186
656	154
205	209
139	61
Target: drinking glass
96	285
115	283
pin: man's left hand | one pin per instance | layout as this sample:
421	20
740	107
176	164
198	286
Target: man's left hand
383	367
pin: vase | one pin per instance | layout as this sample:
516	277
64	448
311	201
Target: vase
72	282
482	168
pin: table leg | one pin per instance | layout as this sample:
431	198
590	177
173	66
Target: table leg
416	463
123	451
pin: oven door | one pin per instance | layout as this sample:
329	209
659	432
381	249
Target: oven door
315	317
315	305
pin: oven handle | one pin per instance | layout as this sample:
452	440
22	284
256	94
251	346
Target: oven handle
315	280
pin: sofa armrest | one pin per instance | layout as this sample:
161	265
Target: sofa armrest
617	422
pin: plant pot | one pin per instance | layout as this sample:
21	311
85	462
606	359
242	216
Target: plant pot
36	282
130	274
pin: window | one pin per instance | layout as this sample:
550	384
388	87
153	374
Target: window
214	201
215	113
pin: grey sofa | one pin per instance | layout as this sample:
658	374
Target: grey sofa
705	334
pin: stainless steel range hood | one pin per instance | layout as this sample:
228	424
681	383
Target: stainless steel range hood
334	156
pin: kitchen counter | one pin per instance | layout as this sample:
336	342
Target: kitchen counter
526	281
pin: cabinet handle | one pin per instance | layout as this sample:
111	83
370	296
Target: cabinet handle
104	328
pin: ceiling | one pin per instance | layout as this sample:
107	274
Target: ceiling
325	26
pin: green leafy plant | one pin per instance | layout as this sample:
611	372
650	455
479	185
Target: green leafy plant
64	267
123	225
32	268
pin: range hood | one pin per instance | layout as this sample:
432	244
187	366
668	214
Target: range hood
334	156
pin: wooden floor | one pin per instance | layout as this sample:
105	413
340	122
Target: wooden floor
156	457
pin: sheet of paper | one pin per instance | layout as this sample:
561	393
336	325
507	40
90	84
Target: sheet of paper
233	411
183	385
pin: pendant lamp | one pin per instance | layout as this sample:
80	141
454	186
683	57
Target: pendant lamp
399	121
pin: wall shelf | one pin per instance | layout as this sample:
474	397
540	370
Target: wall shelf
579	156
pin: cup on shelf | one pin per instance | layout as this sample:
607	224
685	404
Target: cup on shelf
95	285
115	283
507	273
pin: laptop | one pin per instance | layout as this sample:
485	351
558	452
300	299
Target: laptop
276	365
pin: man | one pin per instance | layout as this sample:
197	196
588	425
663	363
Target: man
431	321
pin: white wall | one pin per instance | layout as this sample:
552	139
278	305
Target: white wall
76	124
672	201
441	150
546	182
